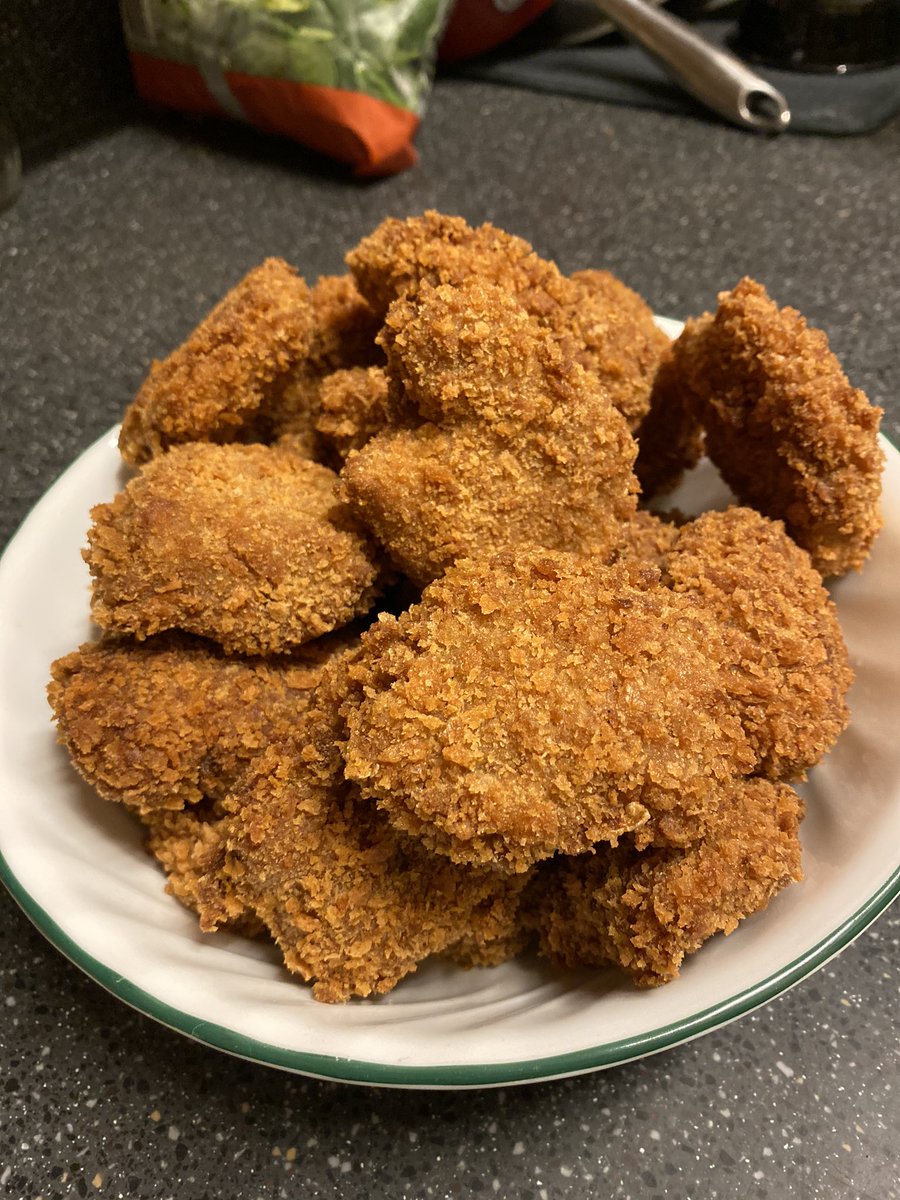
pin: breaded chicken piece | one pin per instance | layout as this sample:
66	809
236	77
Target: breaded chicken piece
646	911
398	255
604	326
514	442
536	702
344	328
789	434
213	387
190	847
670	438
246	545
172	721
353	407
623	346
790	671
353	905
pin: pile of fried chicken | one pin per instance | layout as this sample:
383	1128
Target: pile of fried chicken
395	659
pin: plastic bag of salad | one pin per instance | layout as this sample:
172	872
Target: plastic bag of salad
348	78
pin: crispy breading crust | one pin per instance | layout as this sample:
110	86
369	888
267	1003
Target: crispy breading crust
536	702
398	255
515	443
353	407
190	847
790	671
622	344
353	905
648	537
506	939
172	721
790	435
213	387
645	912
344	328
670	439
605	326
247	545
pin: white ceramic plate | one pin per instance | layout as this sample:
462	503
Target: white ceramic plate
75	865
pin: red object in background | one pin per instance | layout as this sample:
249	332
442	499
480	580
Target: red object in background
371	135
476	26
173	85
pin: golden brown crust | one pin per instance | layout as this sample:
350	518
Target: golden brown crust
353	407
790	671
189	845
622	344
503	940
790	435
646	911
648	537
345	326
247	545
172	721
670	439
398	255
514	442
213	387
604	326
535	702
353	905
342	337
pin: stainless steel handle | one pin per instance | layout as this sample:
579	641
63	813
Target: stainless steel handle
718	79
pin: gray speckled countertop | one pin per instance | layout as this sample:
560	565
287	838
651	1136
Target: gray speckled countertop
114	250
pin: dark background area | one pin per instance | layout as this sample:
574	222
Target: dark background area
63	71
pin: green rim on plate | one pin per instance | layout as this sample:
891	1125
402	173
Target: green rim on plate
348	1070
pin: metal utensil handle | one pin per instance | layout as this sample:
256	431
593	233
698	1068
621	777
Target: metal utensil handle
718	79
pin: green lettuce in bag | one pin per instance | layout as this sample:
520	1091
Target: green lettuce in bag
348	78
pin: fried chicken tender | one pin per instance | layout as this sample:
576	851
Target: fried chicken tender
646	911
344	328
622	345
789	434
247	545
190	847
670	438
790	670
605	326
398	255
171	722
515	442
213	387
537	702
353	905
353	407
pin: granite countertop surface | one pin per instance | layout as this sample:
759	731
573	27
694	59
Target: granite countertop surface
112	253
